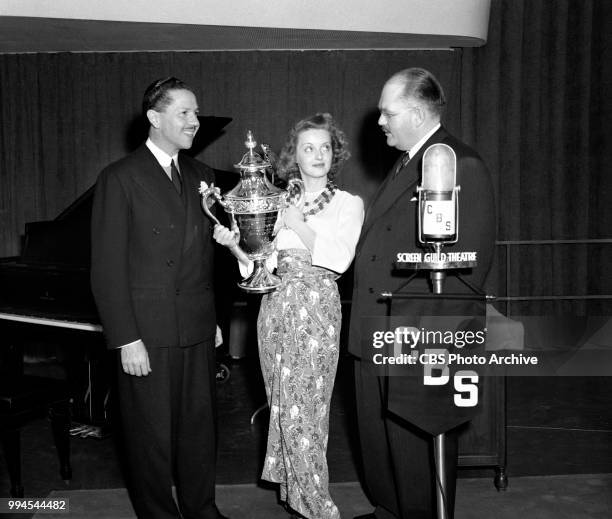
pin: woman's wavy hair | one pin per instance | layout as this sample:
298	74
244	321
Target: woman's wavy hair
287	167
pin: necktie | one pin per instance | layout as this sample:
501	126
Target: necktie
176	178
402	163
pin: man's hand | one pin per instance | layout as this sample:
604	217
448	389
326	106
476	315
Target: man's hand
226	237
135	359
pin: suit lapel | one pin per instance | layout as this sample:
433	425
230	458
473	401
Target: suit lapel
152	179
380	190
407	179
392	189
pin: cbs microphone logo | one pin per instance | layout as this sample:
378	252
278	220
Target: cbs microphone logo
439	218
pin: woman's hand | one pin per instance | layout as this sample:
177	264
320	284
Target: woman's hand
226	237
293	217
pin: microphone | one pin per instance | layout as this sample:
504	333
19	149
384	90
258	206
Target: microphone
438	219
438	197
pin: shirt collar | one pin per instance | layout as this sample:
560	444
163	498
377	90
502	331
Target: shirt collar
162	157
413	151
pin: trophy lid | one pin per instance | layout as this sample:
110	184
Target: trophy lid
252	161
254	183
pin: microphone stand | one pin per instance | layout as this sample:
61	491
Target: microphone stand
437	281
438	268
437	276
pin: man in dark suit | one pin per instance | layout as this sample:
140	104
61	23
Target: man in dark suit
397	455
152	259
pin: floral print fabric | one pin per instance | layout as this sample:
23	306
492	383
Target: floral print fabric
299	334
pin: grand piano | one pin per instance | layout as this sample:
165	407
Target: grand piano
49	282
48	315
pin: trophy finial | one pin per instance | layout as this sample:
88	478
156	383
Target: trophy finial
250	142
251	161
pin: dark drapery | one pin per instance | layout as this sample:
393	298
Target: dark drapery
533	101
65	116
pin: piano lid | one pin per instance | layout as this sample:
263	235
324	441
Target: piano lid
65	241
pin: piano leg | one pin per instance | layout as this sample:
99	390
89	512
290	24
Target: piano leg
11	443
88	372
59	414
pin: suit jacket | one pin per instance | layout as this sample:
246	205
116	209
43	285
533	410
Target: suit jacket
152	253
391	226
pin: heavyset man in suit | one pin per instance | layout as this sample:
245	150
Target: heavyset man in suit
397	455
152	279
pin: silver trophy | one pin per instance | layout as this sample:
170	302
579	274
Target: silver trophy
253	205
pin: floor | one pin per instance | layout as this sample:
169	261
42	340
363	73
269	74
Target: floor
556	426
531	497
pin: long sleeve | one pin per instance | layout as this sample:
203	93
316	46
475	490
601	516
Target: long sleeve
109	261
477	218
337	234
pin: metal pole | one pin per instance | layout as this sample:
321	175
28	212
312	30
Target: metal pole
441	471
437	280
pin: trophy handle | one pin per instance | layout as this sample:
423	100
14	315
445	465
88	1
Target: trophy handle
206	194
235	229
272	159
295	191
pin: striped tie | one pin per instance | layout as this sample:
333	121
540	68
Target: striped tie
402	163
176	178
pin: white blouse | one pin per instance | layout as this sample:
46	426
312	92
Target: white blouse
337	228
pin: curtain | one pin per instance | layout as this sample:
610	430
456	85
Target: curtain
534	103
65	116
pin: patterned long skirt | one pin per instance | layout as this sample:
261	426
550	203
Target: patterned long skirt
299	335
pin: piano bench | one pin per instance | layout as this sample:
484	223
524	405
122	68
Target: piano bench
22	399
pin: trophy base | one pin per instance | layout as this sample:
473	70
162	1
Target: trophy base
260	281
